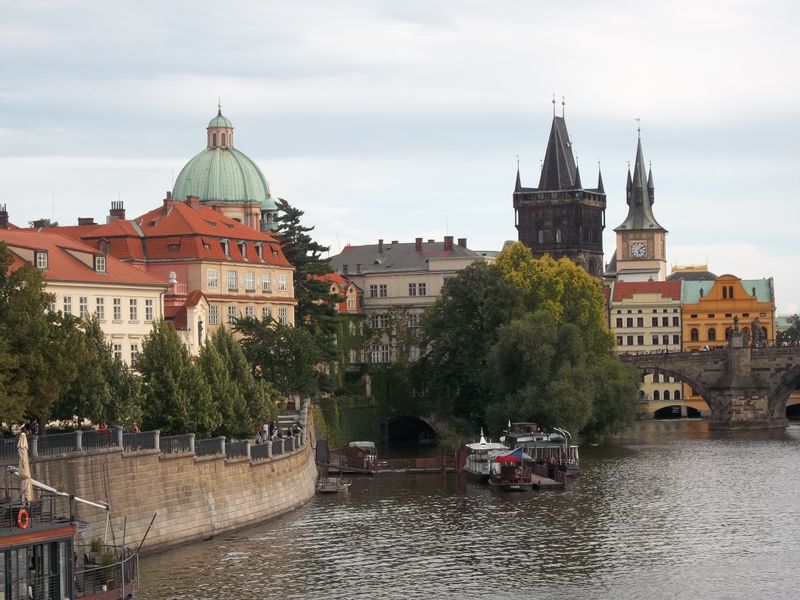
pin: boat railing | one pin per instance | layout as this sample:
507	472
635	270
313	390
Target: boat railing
48	508
113	568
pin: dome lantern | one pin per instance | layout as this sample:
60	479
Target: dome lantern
220	131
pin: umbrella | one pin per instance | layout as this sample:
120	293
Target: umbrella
25	485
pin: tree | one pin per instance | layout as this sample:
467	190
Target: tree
177	398
792	334
457	332
225	394
41	341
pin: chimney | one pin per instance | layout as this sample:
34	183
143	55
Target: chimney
418	244
431	241
448	242
462	242
395	242
169	195
190	200
380	245
3	217
85	220
40	223
117	212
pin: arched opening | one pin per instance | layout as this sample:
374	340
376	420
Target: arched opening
724	292
214	140
668	412
692	413
666	394
712	334
410	430
223	139
656	395
677	395
694	335
793	412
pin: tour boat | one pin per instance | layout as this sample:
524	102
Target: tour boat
553	449
481	455
512	471
40	559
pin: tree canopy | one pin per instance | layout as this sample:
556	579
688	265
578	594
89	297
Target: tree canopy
792	334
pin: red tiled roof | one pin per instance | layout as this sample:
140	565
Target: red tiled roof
667	289
176	316
64	266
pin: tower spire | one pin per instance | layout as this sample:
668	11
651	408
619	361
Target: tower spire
600	187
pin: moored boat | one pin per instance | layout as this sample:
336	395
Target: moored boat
551	448
480	457
511	471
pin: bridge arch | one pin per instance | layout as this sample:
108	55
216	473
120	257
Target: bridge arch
408	429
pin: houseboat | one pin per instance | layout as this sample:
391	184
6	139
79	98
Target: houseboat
39	557
551	448
481	454
511	471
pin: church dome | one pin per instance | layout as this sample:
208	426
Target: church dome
221	174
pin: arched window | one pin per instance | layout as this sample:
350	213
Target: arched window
712	334
214	139
222	135
641	394
694	335
727	333
666	394
677	395
730	292
724	292
656	395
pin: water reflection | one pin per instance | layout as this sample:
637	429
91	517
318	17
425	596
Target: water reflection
670	512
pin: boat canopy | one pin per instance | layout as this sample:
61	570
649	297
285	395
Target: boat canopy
362	445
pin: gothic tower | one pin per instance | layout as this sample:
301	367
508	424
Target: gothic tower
560	217
641	242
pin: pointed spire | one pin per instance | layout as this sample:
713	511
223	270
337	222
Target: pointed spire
518	185
600	187
558	167
650	186
639	194
577	185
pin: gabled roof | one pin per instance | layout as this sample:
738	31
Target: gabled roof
71	261
625	290
763	288
396	257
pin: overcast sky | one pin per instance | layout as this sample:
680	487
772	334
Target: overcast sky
400	119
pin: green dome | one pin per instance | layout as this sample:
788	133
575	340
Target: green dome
223	175
220	121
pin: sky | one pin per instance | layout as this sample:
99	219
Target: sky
397	120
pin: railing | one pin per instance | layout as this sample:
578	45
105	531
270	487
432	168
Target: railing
8	450
53	445
96	440
175	444
237	449
277	447
259	451
210	447
122	574
144	440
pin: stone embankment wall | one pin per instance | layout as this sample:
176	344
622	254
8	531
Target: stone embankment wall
194	497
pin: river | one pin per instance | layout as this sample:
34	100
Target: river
670	511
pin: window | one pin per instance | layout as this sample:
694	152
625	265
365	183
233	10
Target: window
379	321
677	395
67	305
266	283
629	322
655	322
282	285
629	340
83	307
655	340
148	309
383	290
249	282
41	260
233	283
214	139
412	289
694	335
413	353
100	308
351	302
665	321
666	394
212	278
619	321
676	339
558	236
283	315
541	236
222	135
619	340
373	291
233	312
266	313
413	320
640	321
640	340
134	309
656	395
134	354
345	269
711	315
100	264
712	334
665	340
213	314
118	351
259	250
250	312
422	289
243	249
675	322
225	247
381	353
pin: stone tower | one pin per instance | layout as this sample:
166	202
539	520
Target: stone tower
560	217
641	241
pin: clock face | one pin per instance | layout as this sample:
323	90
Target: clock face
638	249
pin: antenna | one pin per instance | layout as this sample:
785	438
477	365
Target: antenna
517	155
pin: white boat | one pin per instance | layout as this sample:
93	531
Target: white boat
481	455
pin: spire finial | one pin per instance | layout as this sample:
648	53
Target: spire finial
629	164
219	105
554	104
517	155
563	103
639	127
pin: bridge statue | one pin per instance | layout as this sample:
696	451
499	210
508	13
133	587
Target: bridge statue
745	385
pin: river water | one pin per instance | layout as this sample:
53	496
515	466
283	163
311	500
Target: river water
670	511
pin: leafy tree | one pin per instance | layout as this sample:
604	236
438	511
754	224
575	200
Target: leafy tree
792	334
224	393
616	397
11	387
177	398
41	341
457	332
259	395
287	357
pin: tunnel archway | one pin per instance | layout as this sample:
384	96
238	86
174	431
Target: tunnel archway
409	430
674	412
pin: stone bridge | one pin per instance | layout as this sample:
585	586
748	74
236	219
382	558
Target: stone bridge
745	388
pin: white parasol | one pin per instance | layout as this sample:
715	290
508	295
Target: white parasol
25	485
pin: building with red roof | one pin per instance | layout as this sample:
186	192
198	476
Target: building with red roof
86	281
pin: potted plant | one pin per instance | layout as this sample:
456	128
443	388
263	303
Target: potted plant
96	545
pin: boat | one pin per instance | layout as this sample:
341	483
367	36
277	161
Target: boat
326	485
480	457
39	556
512	471
551	448
358	457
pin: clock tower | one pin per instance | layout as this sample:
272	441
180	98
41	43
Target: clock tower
641	241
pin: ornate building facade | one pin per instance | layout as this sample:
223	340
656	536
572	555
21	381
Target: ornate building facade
560	217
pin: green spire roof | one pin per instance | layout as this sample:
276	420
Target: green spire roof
220	121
